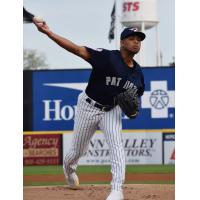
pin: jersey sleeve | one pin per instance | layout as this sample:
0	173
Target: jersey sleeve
98	58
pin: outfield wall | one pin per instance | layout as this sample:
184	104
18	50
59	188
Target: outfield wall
51	97
141	147
49	105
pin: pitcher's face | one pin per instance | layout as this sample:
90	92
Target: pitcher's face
131	44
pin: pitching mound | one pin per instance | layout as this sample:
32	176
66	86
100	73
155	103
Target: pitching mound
100	192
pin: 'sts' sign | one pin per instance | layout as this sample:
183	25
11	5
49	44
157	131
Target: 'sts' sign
131	6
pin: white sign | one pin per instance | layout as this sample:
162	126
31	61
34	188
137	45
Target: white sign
140	148
159	99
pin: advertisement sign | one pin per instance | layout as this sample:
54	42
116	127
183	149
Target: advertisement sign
55	96
169	148
42	149
140	148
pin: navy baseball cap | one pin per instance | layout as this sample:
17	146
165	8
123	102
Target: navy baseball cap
132	31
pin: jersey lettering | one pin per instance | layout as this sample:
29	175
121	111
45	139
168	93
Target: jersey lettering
115	81
128	84
118	81
108	80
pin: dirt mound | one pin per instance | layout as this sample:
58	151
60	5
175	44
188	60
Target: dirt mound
100	192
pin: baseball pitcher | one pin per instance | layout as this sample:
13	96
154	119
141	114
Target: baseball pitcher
115	85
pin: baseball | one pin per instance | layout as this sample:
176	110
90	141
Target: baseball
38	19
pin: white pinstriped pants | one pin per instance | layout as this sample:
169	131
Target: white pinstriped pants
87	120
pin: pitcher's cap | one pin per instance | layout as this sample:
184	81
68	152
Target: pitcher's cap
132	31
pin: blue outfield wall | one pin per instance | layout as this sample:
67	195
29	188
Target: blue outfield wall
55	95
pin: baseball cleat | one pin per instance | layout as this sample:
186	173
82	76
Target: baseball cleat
73	181
116	195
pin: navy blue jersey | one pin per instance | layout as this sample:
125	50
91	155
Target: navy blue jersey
111	75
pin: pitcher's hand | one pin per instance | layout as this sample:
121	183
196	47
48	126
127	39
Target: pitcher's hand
41	26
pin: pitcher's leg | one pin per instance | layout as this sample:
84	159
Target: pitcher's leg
84	127
111	125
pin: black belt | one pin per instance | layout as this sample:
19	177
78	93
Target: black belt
99	106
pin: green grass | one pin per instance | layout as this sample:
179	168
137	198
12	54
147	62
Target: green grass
151	169
31	170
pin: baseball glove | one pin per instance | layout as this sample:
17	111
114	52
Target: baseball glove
129	102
